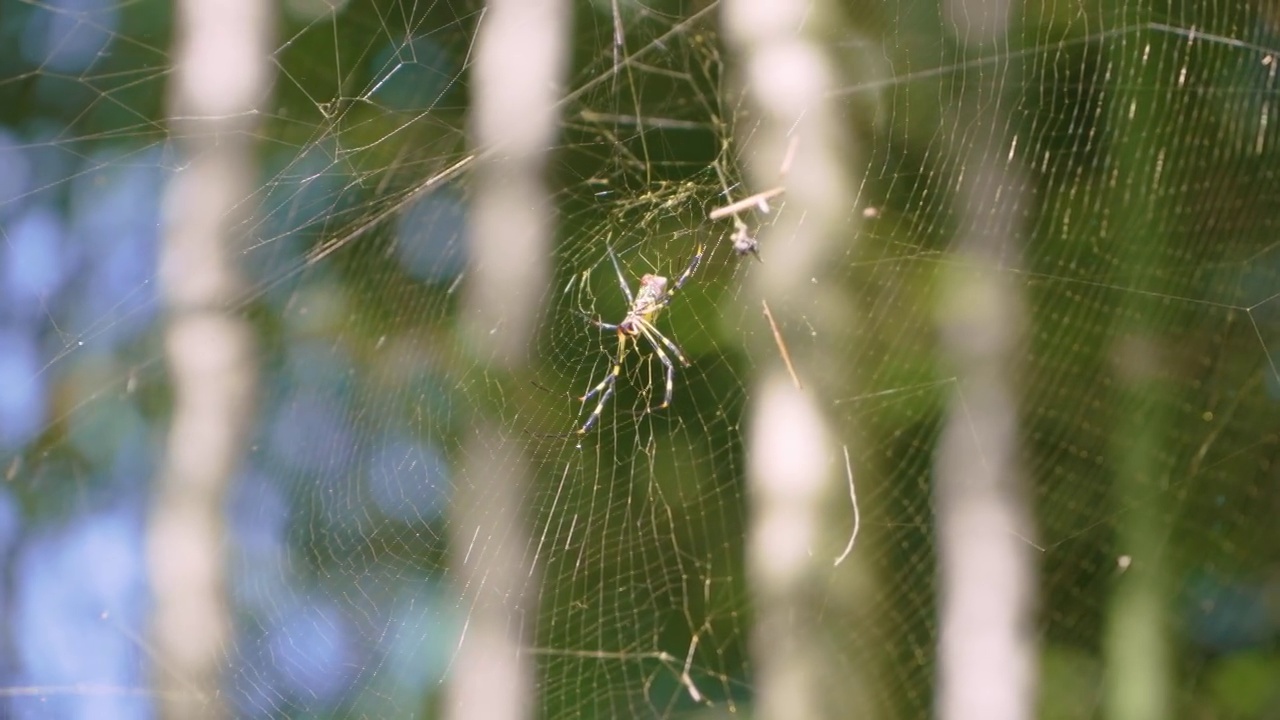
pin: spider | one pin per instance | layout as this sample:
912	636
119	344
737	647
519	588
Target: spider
652	297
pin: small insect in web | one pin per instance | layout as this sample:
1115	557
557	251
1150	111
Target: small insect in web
743	240
653	295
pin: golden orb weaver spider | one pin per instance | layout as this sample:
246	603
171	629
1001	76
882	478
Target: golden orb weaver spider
642	308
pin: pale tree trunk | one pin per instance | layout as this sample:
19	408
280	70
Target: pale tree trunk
799	510
987	651
221	76
521	55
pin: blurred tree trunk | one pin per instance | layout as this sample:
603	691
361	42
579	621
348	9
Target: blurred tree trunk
222	72
521	57
799	508
1137	648
987	654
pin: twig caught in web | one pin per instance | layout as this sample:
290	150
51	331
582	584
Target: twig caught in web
760	201
782	345
853	496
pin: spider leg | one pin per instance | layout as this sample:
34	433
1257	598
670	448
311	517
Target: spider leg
598	323
688	271
606	386
637	322
665	300
609	378
622	281
654	337
649	334
614	370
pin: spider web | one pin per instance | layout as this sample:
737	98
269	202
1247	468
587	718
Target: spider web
1133	145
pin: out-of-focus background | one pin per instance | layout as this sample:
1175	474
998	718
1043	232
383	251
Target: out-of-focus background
974	411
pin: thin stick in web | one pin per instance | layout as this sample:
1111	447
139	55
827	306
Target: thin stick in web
760	200
782	346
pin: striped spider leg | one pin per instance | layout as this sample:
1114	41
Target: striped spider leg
653	295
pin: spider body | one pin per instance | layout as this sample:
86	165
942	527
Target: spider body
650	299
